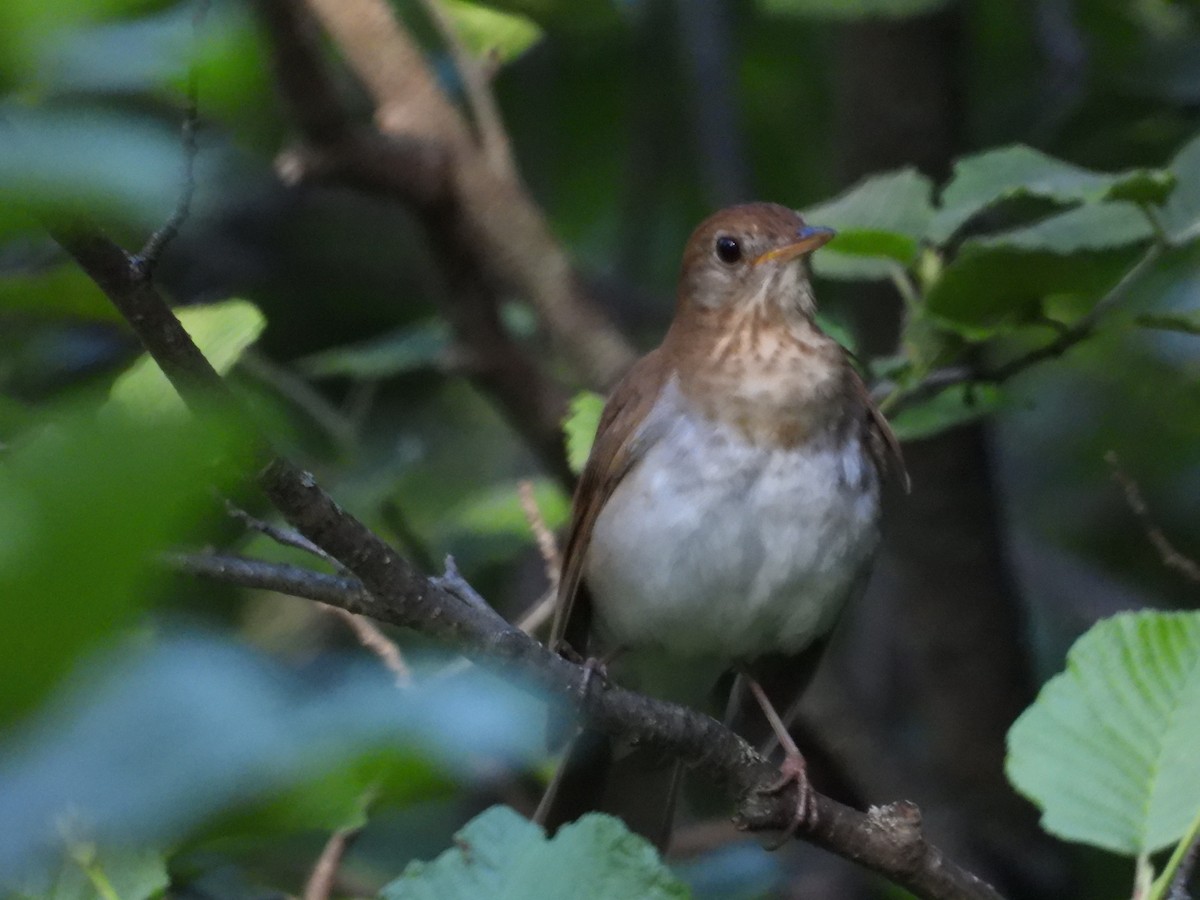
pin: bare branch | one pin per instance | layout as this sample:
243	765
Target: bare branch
547	545
480	214
147	259
324	874
490	127
372	637
940	380
888	840
1167	552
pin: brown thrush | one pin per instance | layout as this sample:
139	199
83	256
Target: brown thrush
730	505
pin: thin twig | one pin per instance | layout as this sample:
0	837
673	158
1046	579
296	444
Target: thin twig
1183	874
285	537
889	841
478	90
1167	552
1082	329
372	637
146	260
324	874
546	544
539	614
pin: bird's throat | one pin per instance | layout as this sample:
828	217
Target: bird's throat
776	378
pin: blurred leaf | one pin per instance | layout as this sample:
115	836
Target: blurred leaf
952	407
1186	323
851	9
222	331
26	25
580	427
84	505
489	33
500	854
424	345
147	744
1108	749
153	54
884	216
87	873
64	290
990	289
1097	226
985	179
58	164
1181	214
497	510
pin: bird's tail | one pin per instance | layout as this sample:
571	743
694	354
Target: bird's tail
638	785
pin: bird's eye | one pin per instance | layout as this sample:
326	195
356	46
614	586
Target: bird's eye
729	250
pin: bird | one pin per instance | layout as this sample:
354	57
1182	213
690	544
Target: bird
729	509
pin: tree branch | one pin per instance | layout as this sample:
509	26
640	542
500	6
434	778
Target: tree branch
490	239
389	589
942	379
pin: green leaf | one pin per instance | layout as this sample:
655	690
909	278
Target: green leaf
1098	226
85	503
879	220
952	407
491	34
424	345
501	855
1181	214
982	180
1108	750
162	735
1184	322
497	510
991	289
851	9
65	290
222	331
580	428
57	164
88	872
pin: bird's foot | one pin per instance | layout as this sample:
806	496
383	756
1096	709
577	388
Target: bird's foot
794	770
595	670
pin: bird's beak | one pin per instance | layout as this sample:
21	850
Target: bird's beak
808	239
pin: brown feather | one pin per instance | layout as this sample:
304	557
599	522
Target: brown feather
618	448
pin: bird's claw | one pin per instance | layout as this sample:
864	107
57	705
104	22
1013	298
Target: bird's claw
593	669
794	770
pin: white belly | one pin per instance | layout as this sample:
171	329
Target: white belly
712	547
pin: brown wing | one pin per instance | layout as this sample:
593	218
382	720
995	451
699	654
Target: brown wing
881	440
620	443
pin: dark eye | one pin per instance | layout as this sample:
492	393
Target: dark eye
729	250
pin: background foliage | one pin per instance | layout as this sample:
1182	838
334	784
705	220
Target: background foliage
996	171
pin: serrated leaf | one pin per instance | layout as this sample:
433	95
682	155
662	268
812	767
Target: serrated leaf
952	407
1108	749
222	331
1184	322
420	346
851	9
982	180
879	220
490	33
501	855
1181	214
991	289
580	426
1094	226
